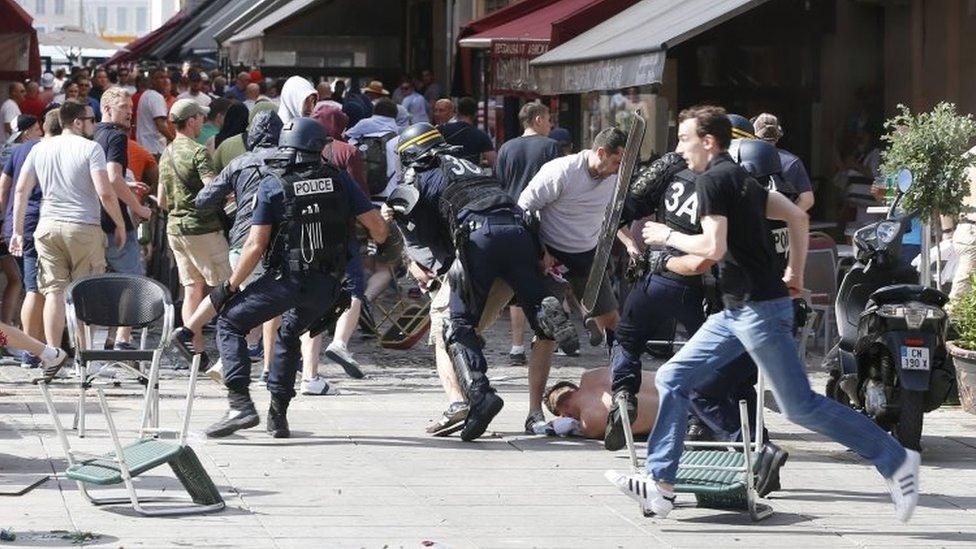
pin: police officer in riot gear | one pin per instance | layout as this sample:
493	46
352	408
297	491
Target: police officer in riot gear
468	211
302	222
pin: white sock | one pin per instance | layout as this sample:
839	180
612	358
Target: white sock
517	349
49	354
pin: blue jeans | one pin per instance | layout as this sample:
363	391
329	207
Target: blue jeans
763	329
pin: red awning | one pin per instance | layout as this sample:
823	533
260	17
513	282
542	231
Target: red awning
133	51
535	26
515	41
20	56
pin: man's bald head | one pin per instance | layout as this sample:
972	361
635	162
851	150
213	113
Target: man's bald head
443	111
252	91
324	89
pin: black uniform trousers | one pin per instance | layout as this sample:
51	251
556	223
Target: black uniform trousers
300	299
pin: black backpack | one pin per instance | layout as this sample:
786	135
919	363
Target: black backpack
373	150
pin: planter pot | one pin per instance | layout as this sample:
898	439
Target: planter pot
965	363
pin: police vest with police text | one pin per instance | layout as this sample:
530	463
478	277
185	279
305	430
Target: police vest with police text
316	228
468	188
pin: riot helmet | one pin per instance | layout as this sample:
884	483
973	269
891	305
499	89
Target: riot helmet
741	127
761	159
301	141
419	144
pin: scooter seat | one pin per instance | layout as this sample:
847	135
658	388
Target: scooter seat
903	293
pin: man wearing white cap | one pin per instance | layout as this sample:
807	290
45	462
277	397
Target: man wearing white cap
47	88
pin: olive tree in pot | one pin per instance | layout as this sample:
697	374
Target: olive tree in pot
963	349
933	147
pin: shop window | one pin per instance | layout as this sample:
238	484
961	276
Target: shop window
101	15
59	7
142	20
121	19
40	8
602	110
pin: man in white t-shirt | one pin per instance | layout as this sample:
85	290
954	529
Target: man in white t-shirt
151	129
70	244
10	110
196	92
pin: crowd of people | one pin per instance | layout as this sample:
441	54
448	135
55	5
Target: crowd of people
290	206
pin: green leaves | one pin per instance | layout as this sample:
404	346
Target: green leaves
964	318
933	146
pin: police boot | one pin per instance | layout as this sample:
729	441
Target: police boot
614	437
770	460
277	417
555	323
240	415
484	405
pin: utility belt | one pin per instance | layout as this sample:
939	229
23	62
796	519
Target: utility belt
690	280
497	218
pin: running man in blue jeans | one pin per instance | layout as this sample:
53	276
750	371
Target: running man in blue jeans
758	318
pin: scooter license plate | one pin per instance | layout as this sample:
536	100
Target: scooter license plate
914	358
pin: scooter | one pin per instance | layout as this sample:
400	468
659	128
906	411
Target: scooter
891	361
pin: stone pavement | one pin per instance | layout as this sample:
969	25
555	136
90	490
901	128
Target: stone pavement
360	472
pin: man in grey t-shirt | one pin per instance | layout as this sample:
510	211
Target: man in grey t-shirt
70	169
571	194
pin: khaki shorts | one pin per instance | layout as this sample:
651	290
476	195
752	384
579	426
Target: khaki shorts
440	310
67	251
201	258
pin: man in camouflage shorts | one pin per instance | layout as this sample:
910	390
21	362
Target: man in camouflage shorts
195	237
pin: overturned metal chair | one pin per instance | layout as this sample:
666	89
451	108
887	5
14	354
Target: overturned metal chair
719	478
124	463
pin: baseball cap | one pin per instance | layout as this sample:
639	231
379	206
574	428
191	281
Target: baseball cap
47	80
21	124
561	135
183	109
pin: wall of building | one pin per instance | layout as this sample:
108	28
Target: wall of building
119	21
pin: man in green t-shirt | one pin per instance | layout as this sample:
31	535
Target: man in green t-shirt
213	123
195	236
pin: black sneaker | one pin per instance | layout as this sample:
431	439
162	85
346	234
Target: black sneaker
480	415
240	415
614	438
278	418
768	464
180	343
556	324
516	359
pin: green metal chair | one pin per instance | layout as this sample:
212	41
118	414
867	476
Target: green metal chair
719	478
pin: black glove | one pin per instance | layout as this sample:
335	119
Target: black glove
801	311
220	295
657	261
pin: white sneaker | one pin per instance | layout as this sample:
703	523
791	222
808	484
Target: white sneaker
216	372
904	487
317	386
643	490
338	353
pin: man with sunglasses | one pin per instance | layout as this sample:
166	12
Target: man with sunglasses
71	171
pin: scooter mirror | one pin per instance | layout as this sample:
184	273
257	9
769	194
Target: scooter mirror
904	180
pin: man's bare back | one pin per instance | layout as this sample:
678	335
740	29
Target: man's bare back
590	404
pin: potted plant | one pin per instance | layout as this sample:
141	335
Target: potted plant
933	147
963	349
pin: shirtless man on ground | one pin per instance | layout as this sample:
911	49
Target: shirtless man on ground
589	404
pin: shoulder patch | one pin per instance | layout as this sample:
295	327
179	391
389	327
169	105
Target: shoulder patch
313	186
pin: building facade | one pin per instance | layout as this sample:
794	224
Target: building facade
118	21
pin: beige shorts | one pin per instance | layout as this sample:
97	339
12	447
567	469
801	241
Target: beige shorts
201	258
67	251
498	297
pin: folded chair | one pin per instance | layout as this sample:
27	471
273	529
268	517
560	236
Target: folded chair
719	478
114	300
147	452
